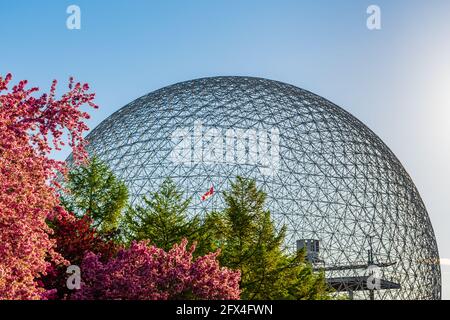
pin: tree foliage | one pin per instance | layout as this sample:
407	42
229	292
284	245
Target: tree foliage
243	231
249	242
27	178
93	190
162	219
144	272
74	238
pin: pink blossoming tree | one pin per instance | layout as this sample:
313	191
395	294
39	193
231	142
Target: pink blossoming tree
27	178
144	272
74	238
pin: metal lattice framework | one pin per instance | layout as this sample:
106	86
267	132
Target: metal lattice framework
328	177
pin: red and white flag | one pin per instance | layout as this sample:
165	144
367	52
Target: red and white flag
208	194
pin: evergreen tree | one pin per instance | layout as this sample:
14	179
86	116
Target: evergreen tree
93	190
249	242
162	219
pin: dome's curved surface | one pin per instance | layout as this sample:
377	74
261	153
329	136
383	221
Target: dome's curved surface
328	177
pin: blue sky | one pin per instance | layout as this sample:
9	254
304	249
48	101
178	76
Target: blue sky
396	80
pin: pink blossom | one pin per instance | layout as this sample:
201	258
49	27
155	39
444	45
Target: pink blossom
27	178
145	272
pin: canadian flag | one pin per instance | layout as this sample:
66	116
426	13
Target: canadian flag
208	194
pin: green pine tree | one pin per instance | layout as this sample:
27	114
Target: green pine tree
94	190
162	219
249	242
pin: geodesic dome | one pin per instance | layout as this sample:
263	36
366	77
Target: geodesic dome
328	178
